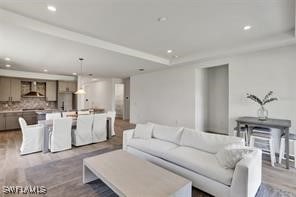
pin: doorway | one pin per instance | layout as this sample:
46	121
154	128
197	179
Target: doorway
217	94
119	100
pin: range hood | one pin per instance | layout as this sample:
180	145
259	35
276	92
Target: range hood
33	92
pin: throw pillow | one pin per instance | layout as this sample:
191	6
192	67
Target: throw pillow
231	154
143	131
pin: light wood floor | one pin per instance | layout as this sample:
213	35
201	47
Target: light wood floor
12	165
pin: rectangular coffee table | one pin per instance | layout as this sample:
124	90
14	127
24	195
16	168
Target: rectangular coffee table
128	175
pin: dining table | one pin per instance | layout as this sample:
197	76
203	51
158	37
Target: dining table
48	124
281	124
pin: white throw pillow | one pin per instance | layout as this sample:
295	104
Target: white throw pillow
143	131
231	154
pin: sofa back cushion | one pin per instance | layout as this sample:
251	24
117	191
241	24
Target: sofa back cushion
143	131
166	133
207	142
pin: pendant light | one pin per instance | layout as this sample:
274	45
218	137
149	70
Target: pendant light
80	90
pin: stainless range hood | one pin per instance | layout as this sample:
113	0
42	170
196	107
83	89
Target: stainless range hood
33	92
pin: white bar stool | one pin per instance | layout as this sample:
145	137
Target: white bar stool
262	138
243	134
292	144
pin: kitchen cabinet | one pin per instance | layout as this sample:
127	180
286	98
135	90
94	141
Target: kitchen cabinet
2	122
10	89
51	91
15	89
67	86
11	120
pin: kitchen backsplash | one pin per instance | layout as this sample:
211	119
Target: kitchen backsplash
28	103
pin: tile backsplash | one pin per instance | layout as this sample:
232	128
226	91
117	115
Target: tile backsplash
28	103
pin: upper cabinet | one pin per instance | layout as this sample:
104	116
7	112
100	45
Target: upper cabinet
51	90
67	86
10	89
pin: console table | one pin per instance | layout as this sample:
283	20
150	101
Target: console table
283	125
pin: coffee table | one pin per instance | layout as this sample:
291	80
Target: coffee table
128	175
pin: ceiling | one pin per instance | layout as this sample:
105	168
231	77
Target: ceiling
118	37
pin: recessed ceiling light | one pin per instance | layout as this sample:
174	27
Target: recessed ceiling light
170	51
51	8
141	69
74	73
45	70
247	27
162	19
7	59
175	56
7	65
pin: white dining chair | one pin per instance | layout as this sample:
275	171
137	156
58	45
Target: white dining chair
60	136
99	132
68	113
86	112
32	139
112	115
52	116
82	135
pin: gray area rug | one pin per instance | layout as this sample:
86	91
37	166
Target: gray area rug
64	178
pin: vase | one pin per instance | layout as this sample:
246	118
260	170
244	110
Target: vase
262	113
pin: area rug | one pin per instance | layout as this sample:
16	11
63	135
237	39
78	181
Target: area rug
64	178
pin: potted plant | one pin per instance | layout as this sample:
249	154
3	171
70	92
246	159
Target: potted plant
262	111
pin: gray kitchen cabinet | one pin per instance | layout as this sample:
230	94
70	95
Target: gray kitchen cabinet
2	122
15	89
51	91
5	89
10	89
11	120
67	86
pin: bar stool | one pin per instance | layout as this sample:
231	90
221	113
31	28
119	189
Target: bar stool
243	133
292	144
262	138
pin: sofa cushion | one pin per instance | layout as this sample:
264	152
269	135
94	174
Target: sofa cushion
152	146
143	131
208	142
200	162
166	133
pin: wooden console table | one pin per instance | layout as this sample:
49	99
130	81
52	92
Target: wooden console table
283	125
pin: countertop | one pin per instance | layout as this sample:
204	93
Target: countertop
24	111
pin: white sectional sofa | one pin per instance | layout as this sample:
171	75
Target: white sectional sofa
192	154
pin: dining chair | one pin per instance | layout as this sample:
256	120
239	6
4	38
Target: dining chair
52	116
112	115
99	131
32	137
68	113
82	135
60	136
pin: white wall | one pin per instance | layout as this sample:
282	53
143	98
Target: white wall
119	99
258	73
166	97
99	93
174	96
126	115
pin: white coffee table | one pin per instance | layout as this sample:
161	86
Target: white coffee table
128	175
